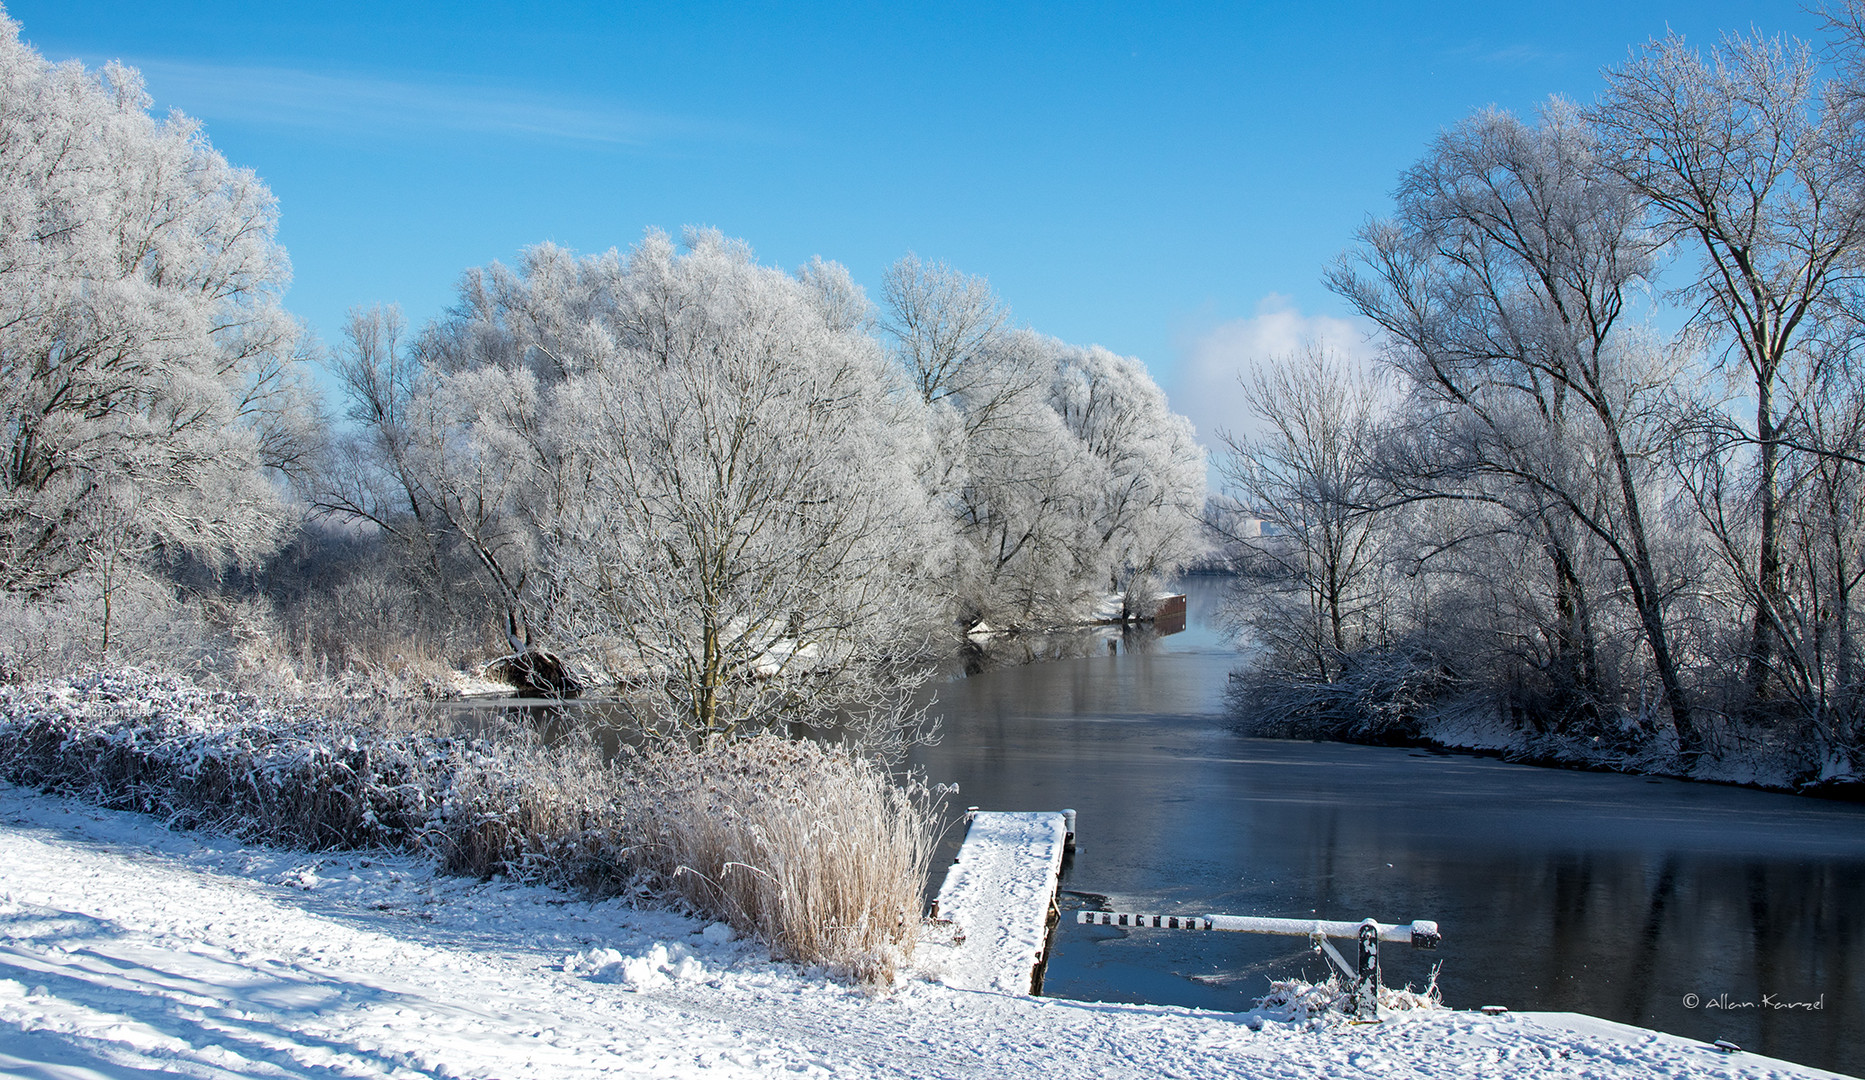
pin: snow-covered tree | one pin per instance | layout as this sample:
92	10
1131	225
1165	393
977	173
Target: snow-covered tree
1758	183
1066	473
705	477
1501	289
696	473
1142	512
1310	476
948	329
148	374
754	535
1018	484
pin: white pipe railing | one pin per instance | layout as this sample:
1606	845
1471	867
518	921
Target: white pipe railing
1420	933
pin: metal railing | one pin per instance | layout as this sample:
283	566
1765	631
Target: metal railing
1363	979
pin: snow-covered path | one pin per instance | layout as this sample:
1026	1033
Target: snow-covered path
127	950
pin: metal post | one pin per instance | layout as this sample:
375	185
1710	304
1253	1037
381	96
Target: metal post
1362	980
1365	1001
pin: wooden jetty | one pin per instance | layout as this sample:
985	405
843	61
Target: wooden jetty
1000	898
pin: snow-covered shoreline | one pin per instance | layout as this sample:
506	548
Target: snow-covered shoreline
1764	769
130	949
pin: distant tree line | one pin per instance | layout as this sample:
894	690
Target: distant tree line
1605	487
748	497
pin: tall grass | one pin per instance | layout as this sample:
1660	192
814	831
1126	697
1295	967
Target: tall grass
816	851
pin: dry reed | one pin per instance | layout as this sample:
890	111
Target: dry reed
815	850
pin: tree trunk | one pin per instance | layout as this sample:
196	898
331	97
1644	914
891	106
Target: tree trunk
1768	583
1645	595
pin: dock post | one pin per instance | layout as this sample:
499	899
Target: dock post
1068	825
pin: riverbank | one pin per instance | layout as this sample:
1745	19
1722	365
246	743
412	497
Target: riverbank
818	851
1478	725
1761	767
130	949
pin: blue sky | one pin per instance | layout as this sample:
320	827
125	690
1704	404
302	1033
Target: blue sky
1165	180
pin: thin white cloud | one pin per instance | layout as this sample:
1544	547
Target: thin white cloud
361	104
1519	54
1205	386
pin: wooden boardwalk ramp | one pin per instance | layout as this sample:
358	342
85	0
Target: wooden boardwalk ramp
1000	898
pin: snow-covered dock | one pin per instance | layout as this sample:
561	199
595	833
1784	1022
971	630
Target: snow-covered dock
1000	896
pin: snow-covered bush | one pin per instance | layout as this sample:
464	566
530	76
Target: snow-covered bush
279	771
338	773
1381	695
554	814
1297	1001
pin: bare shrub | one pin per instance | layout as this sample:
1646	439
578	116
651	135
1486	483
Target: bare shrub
815	850
64	630
1379	696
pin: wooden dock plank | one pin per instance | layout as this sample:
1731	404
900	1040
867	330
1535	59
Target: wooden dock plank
998	894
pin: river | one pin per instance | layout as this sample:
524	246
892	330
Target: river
1707	911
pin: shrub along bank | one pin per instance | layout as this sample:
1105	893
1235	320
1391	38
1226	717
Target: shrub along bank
814	850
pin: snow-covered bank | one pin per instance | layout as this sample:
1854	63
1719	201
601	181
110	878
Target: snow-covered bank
811	848
1268	706
1769	767
129	950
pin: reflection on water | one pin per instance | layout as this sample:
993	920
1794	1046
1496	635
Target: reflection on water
1645	901
982	653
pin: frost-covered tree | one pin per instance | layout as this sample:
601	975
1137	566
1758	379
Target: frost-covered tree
754	533
1141	515
948	328
1502	288
1018	486
706	478
1759	185
1064	470
148	374
450	449
1311	478
695	473
375	471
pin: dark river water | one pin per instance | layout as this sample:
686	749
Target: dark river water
1700	910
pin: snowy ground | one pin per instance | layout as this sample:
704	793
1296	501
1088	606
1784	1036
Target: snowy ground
128	950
